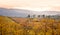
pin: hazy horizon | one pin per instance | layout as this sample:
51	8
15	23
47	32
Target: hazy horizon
24	12
46	7
35	5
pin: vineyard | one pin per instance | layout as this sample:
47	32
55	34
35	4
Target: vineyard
29	26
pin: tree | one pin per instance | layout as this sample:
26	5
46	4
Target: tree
38	16
28	16
48	16
43	16
33	16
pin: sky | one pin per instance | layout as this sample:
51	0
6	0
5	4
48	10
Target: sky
36	5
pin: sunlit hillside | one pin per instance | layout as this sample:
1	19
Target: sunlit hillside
29	26
9	27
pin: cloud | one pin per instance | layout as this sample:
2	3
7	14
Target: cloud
30	4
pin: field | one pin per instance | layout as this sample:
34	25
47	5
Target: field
29	26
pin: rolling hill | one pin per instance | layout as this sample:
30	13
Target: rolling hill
29	26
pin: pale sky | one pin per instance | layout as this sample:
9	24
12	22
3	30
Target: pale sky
36	5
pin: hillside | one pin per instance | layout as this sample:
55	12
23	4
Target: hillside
8	27
29	26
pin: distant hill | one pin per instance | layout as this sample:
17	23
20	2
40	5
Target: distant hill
13	12
24	13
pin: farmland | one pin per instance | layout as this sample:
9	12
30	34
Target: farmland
29	26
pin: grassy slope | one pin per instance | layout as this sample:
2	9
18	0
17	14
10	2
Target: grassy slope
27	27
8	27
